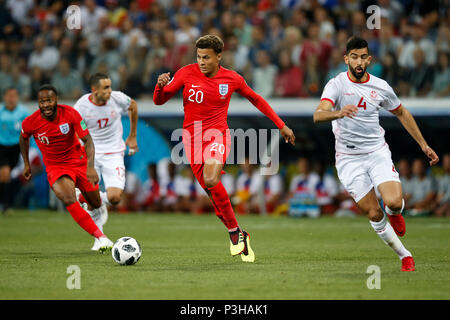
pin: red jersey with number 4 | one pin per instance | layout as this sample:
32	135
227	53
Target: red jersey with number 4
207	99
58	139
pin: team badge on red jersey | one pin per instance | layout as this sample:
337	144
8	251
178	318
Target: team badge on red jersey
223	89
64	128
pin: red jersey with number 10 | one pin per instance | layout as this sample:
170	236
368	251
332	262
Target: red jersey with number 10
207	99
58	139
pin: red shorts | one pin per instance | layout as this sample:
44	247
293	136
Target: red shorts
213	146
77	174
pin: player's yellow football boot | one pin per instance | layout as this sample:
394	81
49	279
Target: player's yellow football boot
237	244
247	255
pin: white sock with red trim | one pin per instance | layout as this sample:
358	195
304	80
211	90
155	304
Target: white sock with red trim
387	234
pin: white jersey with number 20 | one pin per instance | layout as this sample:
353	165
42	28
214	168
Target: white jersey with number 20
362	133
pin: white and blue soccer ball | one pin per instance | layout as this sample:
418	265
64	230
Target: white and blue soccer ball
126	251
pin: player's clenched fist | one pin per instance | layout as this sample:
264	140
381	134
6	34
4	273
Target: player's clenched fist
348	111
163	79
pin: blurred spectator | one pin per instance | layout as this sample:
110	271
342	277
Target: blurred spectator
418	39
247	184
24	191
11	116
424	190
312	77
391	72
20	9
153	69
289	81
239	52
44	57
259	43
337	64
421	76
152	189
264	75
292	42
326	27
389	42
21	81
302	191
406	178
314	46
443	191
5	75
174	52
67	81
242	29
186	32
327	190
441	82
275	31
273	192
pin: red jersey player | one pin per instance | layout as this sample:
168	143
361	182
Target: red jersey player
207	89
56	129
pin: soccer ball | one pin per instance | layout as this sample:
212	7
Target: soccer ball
126	251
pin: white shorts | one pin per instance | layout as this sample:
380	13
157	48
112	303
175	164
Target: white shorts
111	168
359	173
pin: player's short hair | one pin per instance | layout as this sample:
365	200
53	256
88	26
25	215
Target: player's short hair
356	43
94	80
48	87
210	42
7	89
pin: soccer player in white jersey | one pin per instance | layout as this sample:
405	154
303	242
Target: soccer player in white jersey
101	110
352	100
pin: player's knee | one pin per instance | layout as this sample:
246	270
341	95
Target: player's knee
114	199
395	204
375	214
211	182
96	202
67	199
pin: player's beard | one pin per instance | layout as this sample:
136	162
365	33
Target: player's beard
357	75
46	114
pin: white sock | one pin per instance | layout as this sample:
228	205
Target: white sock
391	212
387	234
104	198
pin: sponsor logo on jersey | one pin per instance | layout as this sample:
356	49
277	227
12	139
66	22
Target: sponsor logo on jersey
83	125
223	89
65	128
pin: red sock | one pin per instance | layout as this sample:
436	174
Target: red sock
222	206
84	219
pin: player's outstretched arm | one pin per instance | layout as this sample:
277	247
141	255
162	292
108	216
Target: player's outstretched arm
408	122
91	173
24	144
324	112
131	141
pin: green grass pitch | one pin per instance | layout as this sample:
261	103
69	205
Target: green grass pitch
187	257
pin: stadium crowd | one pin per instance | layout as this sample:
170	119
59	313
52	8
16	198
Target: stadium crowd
282	48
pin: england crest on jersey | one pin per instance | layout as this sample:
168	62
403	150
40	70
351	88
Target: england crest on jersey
223	89
64	128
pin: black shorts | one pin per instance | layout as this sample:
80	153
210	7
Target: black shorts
9	155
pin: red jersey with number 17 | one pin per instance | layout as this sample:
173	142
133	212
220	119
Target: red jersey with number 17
207	99
58	139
